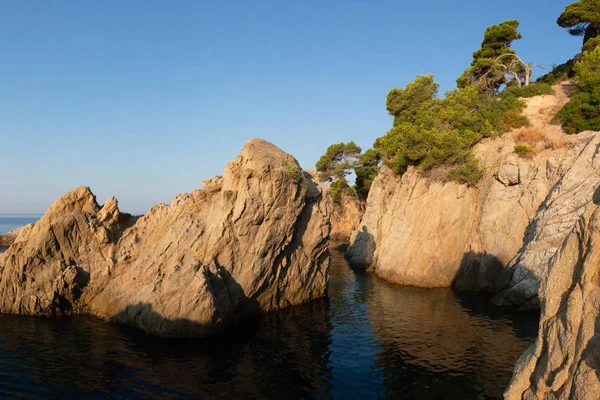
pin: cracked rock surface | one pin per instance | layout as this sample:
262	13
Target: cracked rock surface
563	363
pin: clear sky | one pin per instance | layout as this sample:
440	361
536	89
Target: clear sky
145	99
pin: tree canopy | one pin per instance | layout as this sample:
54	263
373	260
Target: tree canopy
496	64
338	161
582	112
403	103
582	18
434	132
366	171
587	72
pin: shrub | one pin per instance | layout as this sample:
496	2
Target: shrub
514	119
587	72
553	140
294	171
523	149
366	172
591	44
364	179
582	112
338	187
560	73
535	89
468	173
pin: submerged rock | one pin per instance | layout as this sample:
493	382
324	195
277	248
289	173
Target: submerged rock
253	240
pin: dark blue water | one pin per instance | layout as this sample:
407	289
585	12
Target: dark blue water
369	339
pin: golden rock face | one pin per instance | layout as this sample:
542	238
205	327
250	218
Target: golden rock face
255	240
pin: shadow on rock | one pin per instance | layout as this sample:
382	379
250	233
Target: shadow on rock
360	254
228	304
481	272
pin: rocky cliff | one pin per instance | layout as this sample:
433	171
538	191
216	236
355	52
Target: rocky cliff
345	219
253	240
564	361
420	231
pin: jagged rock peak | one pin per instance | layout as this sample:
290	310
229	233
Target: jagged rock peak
253	240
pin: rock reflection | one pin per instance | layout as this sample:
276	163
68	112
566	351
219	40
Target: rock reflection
369	339
434	344
278	355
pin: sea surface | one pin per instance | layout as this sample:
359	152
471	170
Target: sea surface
369	339
10	222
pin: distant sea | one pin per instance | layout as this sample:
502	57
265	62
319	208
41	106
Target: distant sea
8	222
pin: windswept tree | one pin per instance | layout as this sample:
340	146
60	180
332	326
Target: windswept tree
338	161
496	64
582	18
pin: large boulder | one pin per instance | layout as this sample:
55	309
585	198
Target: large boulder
253	240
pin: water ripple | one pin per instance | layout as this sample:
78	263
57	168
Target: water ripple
369	339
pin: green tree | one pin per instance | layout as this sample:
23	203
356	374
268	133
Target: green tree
338	161
591	44
496	64
582	112
587	72
403	103
582	18
366	172
437	132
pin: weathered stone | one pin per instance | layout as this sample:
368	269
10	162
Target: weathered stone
509	175
552	222
563	363
422	232
8	238
346	216
254	240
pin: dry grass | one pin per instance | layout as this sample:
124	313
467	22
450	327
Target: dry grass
540	139
438	174
555	140
530	136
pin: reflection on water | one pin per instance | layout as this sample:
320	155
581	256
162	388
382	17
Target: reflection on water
370	339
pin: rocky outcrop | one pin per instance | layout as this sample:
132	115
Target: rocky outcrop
423	232
564	361
553	221
8	238
253	240
345	219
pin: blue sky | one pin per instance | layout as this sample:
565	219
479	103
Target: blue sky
145	99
